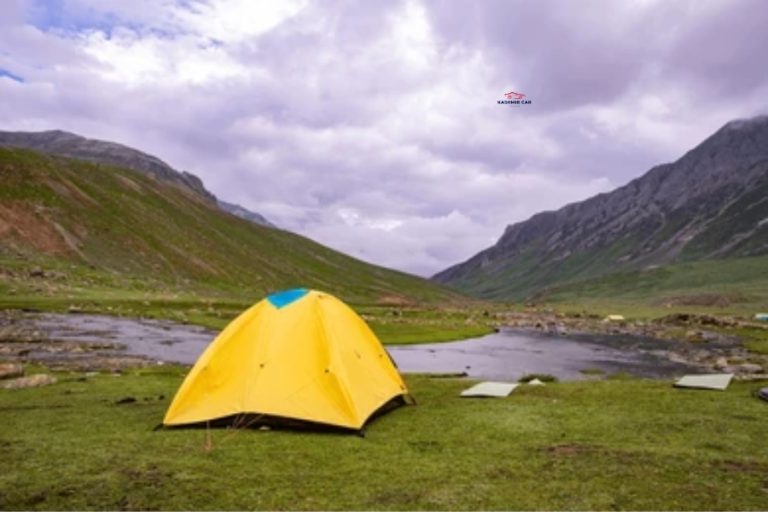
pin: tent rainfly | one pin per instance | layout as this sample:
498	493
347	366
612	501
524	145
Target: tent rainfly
297	356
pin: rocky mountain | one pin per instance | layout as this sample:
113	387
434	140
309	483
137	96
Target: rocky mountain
66	144
712	203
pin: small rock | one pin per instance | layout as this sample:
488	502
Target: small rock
749	368
721	363
31	381
753	377
126	400
37	272
11	370
676	358
74	309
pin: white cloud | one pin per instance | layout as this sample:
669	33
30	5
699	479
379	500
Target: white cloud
373	127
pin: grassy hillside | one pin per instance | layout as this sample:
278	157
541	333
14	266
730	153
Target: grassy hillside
733	286
530	274
72	230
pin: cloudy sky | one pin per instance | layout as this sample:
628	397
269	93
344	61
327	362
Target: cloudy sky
374	127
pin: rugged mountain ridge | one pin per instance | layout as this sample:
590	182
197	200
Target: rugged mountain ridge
70	145
711	203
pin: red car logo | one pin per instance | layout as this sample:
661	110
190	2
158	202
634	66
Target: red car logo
514	95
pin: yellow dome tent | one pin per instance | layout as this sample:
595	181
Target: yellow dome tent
296	355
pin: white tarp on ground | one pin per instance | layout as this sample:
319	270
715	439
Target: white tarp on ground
493	389
717	381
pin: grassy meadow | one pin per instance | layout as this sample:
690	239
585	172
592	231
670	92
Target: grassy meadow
609	444
727	287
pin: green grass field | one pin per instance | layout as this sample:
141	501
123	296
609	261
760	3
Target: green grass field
730	287
609	445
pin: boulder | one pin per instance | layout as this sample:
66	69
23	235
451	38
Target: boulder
11	370
31	381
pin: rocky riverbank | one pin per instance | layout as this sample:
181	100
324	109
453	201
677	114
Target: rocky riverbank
88	343
23	341
712	342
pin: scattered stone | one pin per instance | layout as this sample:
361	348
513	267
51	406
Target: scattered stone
37	272
74	309
749	368
676	358
721	363
126	400
693	319
31	381
753	377
11	370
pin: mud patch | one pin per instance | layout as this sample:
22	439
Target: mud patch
741	466
565	450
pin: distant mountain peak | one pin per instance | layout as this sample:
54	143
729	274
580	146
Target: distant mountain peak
748	123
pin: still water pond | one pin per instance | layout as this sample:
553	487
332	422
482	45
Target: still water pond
506	355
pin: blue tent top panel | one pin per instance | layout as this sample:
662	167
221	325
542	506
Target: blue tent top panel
282	299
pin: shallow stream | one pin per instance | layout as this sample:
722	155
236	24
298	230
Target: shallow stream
506	355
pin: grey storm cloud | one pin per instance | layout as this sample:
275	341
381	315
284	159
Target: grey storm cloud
373	127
